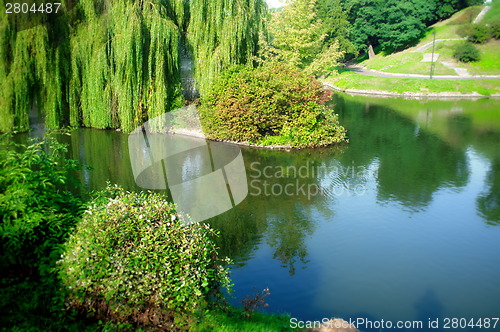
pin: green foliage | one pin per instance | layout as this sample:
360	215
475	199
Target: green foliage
223	33
116	65
131	260
36	209
300	38
125	63
37	304
395	24
476	33
336	26
495	29
466	52
273	103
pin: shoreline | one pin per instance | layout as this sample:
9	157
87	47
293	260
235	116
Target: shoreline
199	134
408	95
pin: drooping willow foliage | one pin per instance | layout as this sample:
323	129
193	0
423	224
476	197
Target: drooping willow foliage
223	33
33	68
124	63
114	64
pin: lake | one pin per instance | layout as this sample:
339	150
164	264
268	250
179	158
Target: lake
402	223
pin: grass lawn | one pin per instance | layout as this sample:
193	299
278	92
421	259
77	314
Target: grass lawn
422	68
233	320
351	80
407	62
35	305
466	15
490	60
494	13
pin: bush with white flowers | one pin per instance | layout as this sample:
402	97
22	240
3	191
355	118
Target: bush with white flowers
131	260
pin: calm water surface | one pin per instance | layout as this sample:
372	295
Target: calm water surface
402	223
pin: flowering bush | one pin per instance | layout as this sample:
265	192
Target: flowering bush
272	103
132	261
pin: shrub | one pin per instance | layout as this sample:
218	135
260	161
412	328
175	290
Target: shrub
478	34
465	30
37	210
272	103
495	29
132	261
466	52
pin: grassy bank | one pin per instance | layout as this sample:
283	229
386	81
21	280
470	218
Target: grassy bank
351	80
410	62
32	304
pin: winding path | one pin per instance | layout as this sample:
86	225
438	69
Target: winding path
426	46
481	14
462	73
375	73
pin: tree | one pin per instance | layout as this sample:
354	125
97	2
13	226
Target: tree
299	36
297	32
395	24
365	17
403	23
336	25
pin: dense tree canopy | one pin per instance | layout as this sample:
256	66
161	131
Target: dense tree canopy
335	25
395	24
114	64
303	40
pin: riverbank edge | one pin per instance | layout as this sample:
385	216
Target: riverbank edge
408	94
199	134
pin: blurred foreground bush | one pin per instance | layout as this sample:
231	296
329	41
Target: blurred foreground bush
133	262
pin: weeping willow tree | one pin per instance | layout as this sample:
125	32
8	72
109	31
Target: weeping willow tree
223	33
32	69
125	63
114	64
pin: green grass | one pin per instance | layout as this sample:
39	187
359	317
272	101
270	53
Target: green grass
422	68
351	80
489	63
493	14
442	32
400	58
234	320
33	304
407	62
466	15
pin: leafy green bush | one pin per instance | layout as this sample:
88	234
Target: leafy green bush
466	52
478	33
272	103
495	29
37	210
132	261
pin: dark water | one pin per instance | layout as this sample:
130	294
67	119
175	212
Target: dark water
402	223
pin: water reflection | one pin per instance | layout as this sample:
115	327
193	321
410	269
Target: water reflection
413	163
394	227
488	203
283	188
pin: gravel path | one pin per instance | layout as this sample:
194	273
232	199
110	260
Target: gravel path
426	46
376	73
462	73
481	14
